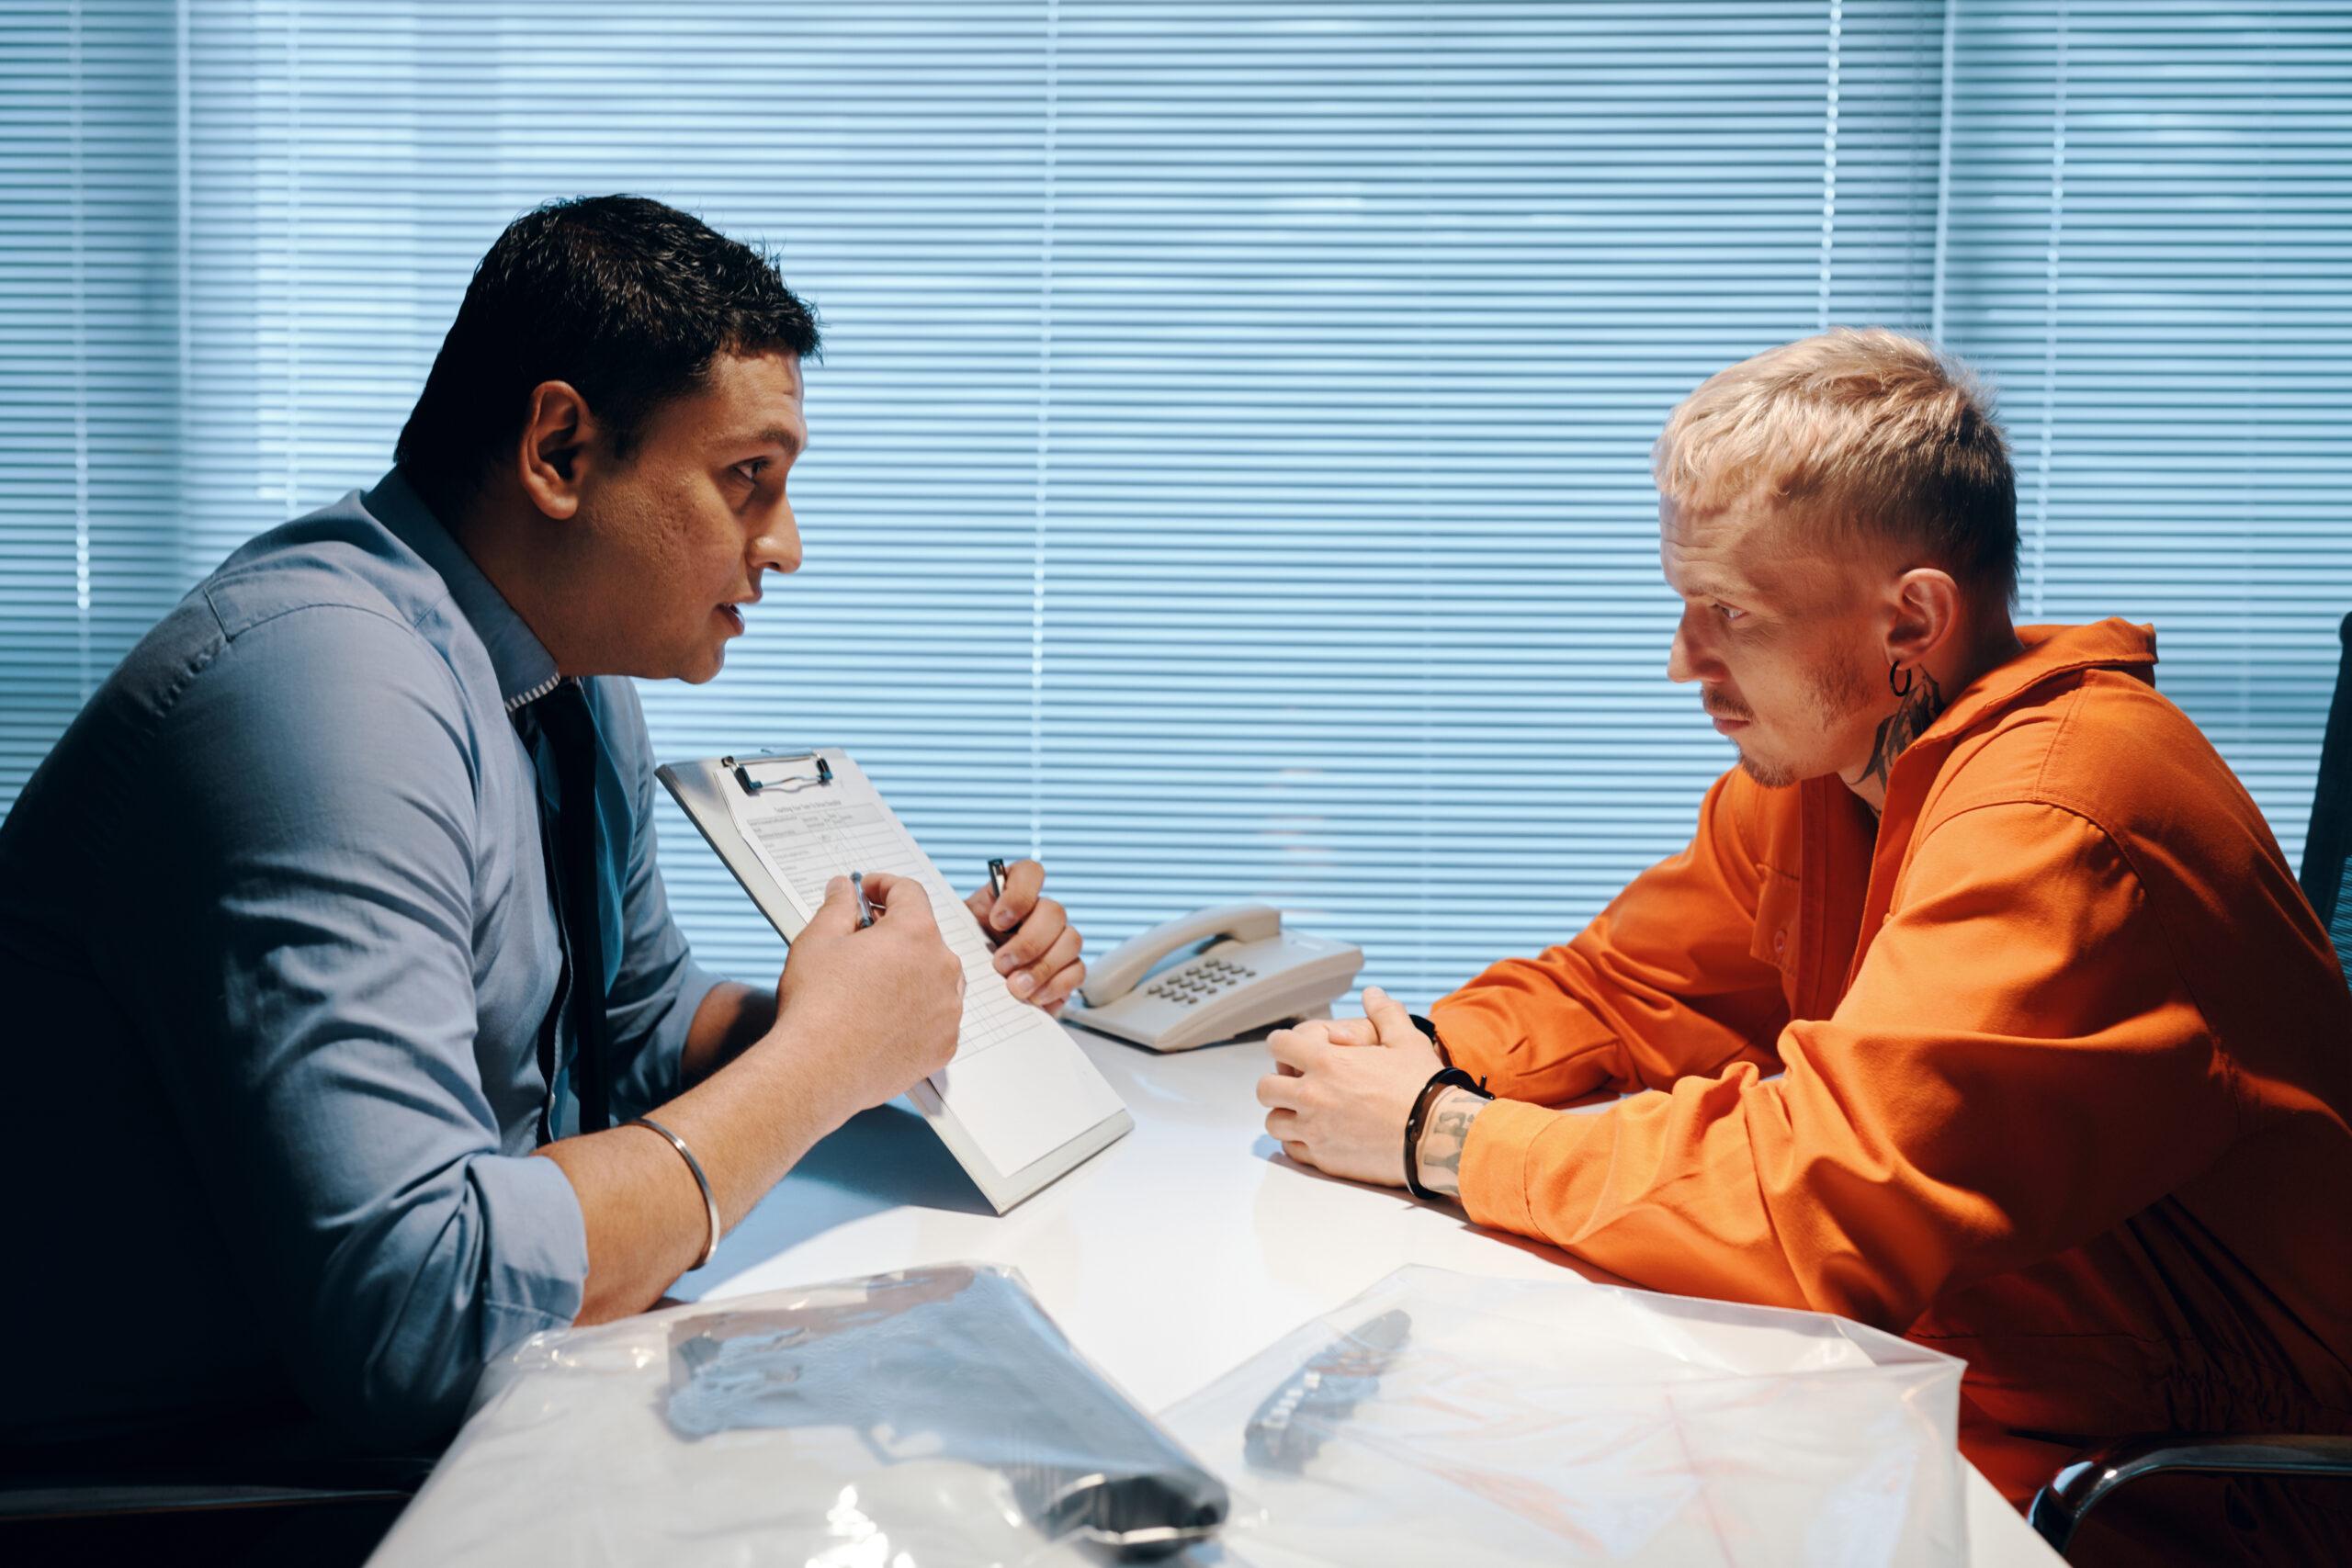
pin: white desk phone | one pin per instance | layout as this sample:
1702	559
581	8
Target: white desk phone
1250	973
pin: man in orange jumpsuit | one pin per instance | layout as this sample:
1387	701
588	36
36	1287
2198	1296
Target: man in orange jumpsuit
1981	1007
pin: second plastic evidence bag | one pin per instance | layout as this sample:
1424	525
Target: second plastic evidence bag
930	1418
1440	1417
1020	1104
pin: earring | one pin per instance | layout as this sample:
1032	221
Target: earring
1904	690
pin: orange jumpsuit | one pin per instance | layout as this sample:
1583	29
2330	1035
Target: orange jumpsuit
2063	1070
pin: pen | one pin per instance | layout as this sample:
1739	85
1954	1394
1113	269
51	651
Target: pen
996	878
864	905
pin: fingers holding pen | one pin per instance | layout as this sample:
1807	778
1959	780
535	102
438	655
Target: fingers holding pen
1049	982
901	897
1011	896
1027	948
1037	946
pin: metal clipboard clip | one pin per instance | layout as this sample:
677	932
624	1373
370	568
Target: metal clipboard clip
753	785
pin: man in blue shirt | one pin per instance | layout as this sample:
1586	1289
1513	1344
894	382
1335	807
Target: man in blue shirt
337	906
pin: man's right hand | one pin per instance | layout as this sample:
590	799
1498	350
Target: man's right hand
876	1010
861	1015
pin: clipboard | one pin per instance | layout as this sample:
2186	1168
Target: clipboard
1020	1111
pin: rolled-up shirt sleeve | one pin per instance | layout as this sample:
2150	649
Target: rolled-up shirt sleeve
295	937
658	988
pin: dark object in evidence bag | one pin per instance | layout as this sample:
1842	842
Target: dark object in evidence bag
956	1360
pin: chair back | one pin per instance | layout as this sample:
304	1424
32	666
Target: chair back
2327	851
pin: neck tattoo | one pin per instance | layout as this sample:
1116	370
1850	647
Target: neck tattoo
1905	724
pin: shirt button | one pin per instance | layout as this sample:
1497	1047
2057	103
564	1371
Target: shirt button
1779	941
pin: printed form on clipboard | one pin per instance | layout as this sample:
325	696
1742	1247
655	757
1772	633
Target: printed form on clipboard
1018	1094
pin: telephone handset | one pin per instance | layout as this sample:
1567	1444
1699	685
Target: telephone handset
1247	974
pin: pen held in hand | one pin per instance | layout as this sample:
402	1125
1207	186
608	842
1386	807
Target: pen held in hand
864	905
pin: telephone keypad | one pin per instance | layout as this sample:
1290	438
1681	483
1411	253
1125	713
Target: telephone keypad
1197	981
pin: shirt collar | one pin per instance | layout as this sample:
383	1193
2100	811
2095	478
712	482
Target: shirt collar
526	669
2050	652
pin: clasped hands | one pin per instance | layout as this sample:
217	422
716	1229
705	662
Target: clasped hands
1344	1088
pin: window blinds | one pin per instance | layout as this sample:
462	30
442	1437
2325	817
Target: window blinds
89	379
1230	474
2150	244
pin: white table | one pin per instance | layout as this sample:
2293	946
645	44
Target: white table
1169	1258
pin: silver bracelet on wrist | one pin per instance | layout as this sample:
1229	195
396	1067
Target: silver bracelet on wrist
709	1203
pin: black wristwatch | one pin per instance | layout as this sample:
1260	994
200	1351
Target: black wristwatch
1444	1078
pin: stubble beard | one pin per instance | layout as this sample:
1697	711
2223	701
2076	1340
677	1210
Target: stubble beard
1770	774
1840	692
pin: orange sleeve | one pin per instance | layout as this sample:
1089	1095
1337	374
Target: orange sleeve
1661	985
2018	1066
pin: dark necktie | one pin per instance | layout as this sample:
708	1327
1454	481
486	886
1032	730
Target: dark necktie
561	716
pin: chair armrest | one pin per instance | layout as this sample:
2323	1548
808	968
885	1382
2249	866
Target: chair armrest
2060	1507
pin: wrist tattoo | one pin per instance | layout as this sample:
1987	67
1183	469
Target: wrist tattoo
1438	1160
1905	724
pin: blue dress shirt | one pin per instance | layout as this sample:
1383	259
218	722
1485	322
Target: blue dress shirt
275	946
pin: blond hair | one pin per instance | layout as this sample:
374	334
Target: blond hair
1859	433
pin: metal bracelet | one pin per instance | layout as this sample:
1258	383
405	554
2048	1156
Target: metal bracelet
709	1203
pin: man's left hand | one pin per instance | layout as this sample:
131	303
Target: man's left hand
1036	947
1343	1090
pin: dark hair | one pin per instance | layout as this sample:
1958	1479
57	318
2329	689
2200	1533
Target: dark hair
625	298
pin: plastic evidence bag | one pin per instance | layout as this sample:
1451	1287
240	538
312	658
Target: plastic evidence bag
1442	1419
908	1420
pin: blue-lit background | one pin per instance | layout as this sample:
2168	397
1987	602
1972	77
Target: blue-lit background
1231	467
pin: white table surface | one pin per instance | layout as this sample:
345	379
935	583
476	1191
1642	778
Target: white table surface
1169	1258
